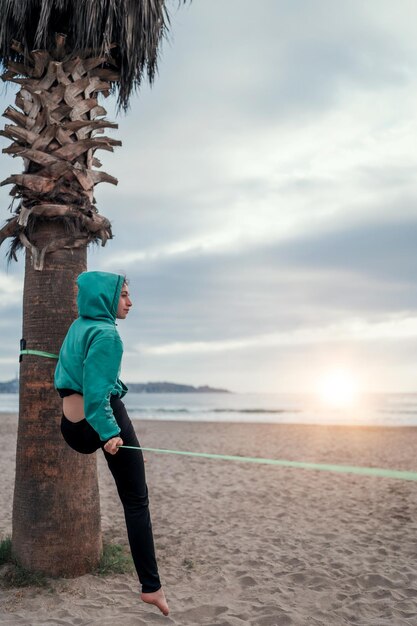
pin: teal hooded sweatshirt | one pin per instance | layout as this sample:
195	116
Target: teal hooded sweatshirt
90	357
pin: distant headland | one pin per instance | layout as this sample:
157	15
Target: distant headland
12	386
165	387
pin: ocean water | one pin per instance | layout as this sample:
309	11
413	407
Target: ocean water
372	410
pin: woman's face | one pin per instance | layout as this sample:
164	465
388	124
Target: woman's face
124	303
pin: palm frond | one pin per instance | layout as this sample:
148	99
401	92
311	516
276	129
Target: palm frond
137	27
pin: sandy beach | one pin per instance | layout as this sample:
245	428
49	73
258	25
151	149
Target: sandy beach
241	544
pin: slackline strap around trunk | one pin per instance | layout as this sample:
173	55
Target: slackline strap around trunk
47	355
23	350
326	467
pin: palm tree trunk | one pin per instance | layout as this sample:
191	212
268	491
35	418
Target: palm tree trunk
56	511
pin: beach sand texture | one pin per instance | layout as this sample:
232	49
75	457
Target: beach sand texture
241	544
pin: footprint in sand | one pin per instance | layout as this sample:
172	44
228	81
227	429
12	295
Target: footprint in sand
368	581
247	581
273	620
203	612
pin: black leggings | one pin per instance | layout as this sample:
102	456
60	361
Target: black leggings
128	472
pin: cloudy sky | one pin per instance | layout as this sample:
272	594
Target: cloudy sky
266	212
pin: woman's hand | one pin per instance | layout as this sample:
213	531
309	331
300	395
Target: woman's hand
111	446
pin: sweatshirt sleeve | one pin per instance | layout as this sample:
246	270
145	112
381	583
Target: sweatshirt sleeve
101	369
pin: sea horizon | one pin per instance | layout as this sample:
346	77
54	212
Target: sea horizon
371	409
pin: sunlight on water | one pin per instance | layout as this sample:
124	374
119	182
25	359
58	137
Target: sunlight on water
377	409
371	410
338	389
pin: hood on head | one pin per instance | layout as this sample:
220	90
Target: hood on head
98	294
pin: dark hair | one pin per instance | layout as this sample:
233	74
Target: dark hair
125	278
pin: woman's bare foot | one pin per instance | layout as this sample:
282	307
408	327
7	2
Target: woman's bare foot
158	599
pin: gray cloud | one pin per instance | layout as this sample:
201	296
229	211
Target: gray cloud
324	279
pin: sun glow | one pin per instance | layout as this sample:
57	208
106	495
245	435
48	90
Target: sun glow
338	389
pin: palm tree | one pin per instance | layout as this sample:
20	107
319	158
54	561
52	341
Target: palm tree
62	54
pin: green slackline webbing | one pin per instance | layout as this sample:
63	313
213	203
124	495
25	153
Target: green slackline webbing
326	467
48	355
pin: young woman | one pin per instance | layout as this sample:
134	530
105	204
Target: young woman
94	416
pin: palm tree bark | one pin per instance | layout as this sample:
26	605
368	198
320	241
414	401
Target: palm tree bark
55	131
65	59
56	511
